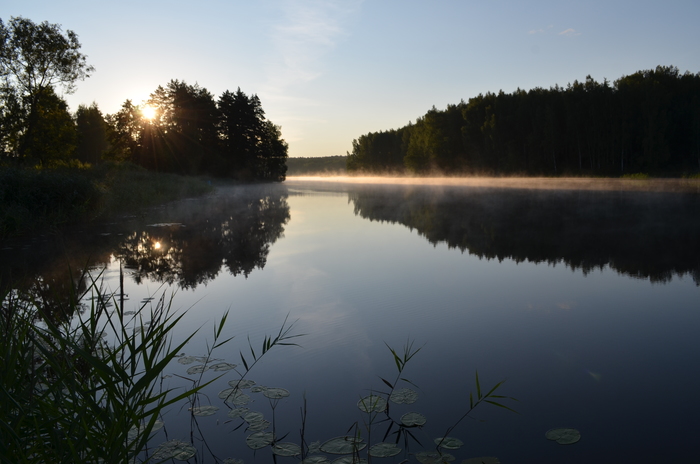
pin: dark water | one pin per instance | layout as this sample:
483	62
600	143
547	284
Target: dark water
586	302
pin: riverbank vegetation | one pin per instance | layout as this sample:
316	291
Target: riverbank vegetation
317	166
647	122
180	129
33	200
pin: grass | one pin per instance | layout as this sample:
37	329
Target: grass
43	199
67	395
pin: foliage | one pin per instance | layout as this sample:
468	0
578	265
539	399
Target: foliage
321	165
191	133
91	133
648	121
69	191
67	394
35	58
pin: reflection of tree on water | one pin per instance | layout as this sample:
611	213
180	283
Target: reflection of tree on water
644	235
231	230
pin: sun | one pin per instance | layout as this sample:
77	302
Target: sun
148	112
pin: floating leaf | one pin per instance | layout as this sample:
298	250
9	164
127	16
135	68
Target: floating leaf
384	450
239	399
372	403
343	445
275	393
482	460
174	449
425	457
317	459
315	447
222	366
563	436
259	426
258	389
253	416
205	410
197	369
232	461
186	359
412	419
242	384
349	460
404	396
238	412
234	397
449	443
259	440
286	449
134	431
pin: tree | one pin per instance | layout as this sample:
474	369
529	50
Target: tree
241	128
34	59
92	134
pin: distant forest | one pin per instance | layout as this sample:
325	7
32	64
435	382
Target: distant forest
647	122
320	165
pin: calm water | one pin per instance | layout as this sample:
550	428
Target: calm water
586	302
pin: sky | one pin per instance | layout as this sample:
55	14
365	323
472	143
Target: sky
329	71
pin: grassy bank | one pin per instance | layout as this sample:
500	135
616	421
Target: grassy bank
34	200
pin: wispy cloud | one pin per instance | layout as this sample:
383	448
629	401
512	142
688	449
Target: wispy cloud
540	30
569	32
307	31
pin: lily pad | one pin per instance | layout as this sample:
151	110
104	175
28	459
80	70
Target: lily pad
343	445
134	431
316	459
426	457
253	416
449	443
232	461
174	449
482	460
205	410
404	396
563	436
259	425
275	393
413	419
198	369
350	460
242	384
186	359
259	440
238	412
222	366
286	449
372	403
258	388
234	397
384	450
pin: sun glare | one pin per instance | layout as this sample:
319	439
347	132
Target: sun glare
148	112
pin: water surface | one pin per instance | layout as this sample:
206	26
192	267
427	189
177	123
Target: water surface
584	300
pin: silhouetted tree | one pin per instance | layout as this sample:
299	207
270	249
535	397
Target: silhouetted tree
92	134
34	58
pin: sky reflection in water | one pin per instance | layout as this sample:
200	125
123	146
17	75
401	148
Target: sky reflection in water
590	316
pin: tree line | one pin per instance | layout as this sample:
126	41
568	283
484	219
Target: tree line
645	122
182	128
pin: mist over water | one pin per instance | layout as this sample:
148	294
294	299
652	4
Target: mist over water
584	299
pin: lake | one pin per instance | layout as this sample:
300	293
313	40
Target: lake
584	297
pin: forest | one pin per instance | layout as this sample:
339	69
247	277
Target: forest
644	123
181	129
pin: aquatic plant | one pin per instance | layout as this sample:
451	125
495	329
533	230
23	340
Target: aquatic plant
67	394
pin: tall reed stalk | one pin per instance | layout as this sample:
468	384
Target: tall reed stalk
68	395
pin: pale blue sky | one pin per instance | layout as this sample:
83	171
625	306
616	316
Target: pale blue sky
330	71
